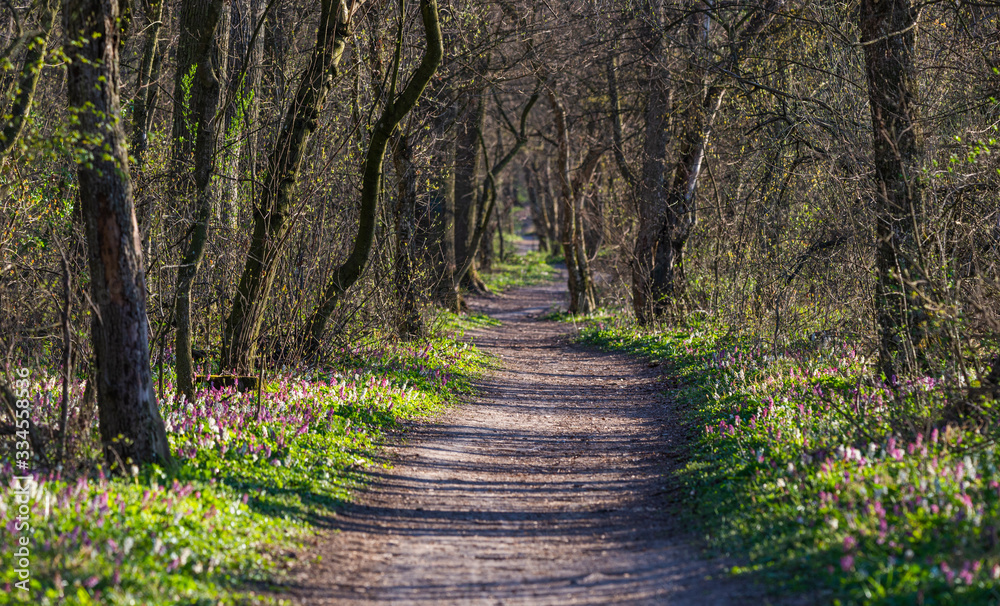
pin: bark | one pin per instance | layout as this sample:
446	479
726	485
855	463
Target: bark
446	292
27	84
211	65
485	251
145	89
581	291
539	216
396	109
888	36
130	424
468	167
666	225
581	180
667	282
611	68
246	54
242	329
592	216
551	208
650	188
188	90
410	324
488	194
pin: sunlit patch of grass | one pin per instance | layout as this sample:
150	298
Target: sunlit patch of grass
251	476
518	271
458	324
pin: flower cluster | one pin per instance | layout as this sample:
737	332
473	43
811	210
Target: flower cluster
253	469
817	471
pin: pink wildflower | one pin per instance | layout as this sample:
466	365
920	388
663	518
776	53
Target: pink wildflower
949	574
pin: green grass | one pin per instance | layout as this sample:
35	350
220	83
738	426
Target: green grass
250	482
802	467
518	271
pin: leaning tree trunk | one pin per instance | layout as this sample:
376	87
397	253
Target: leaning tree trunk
239	347
130	424
27	83
888	32
210	58
396	109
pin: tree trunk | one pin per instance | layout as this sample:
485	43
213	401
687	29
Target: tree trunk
31	71
239	347
145	88
130	424
584	175
551	208
888	33
396	109
592	215
485	251
210	58
488	194
668	213
442	218
650	189
667	282
188	90
468	166
581	293
538	215
240	123
410	325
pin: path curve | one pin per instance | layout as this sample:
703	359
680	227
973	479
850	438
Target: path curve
548	487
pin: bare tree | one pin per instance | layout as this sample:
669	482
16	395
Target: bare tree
397	107
240	341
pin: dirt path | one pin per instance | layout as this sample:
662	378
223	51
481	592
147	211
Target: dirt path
547	488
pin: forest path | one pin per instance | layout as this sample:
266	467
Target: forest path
548	487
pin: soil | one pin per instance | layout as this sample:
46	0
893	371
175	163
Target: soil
550	486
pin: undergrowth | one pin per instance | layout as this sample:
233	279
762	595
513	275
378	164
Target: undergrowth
801	466
251	478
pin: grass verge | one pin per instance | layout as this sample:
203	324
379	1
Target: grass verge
251	478
823	479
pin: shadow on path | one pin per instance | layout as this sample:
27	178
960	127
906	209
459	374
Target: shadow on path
551	486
